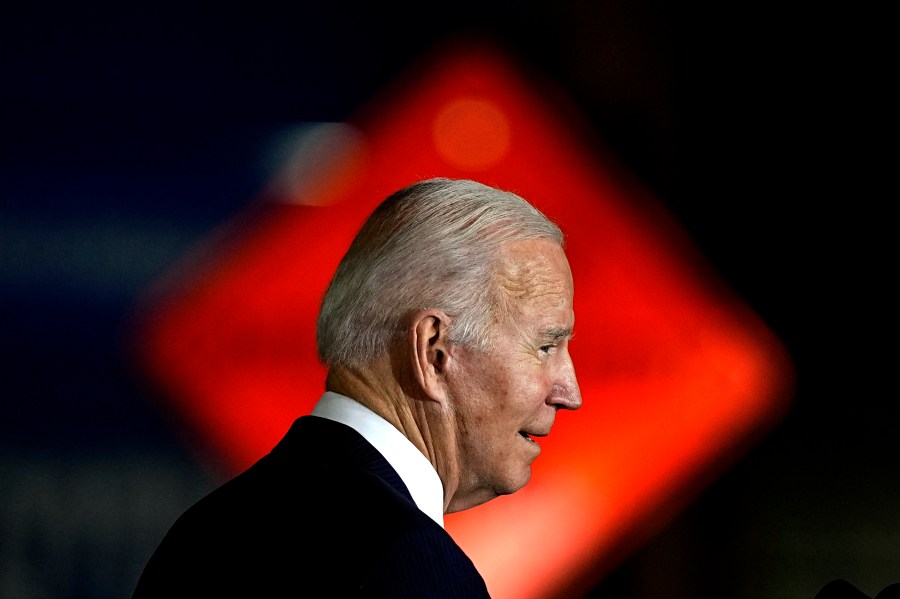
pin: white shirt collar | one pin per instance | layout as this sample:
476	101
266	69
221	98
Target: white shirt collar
414	469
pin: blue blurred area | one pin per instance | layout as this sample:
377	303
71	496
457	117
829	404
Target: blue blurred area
131	131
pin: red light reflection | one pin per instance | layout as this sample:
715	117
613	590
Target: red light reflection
678	375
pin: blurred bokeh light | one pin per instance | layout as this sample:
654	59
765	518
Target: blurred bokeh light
135	136
677	374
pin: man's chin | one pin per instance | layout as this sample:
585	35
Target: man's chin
518	482
503	486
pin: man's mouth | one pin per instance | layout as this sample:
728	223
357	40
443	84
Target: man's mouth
528	436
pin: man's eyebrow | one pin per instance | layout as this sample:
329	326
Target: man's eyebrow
556	333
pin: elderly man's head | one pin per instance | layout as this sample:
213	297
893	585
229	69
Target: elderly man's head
433	244
470	286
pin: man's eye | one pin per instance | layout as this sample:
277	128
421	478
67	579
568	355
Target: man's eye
546	348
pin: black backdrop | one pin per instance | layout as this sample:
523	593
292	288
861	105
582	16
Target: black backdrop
764	128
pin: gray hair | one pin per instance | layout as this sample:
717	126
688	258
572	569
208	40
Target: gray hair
433	244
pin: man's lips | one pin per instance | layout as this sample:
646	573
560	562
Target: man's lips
529	435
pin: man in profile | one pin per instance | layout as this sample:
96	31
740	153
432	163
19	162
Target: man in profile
445	334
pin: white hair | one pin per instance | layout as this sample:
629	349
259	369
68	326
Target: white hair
433	244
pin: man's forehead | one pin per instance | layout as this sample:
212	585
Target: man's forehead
534	267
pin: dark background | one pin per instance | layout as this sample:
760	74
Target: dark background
131	131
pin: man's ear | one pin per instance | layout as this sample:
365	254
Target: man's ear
430	350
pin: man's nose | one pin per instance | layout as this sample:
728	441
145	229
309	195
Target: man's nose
565	393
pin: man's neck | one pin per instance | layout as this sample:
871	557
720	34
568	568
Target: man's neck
420	419
373	386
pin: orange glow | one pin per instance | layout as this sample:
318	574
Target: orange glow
471	133
678	375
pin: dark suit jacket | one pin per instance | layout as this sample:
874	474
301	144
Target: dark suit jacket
322	515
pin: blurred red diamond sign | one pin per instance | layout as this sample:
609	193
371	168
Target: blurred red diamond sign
678	375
